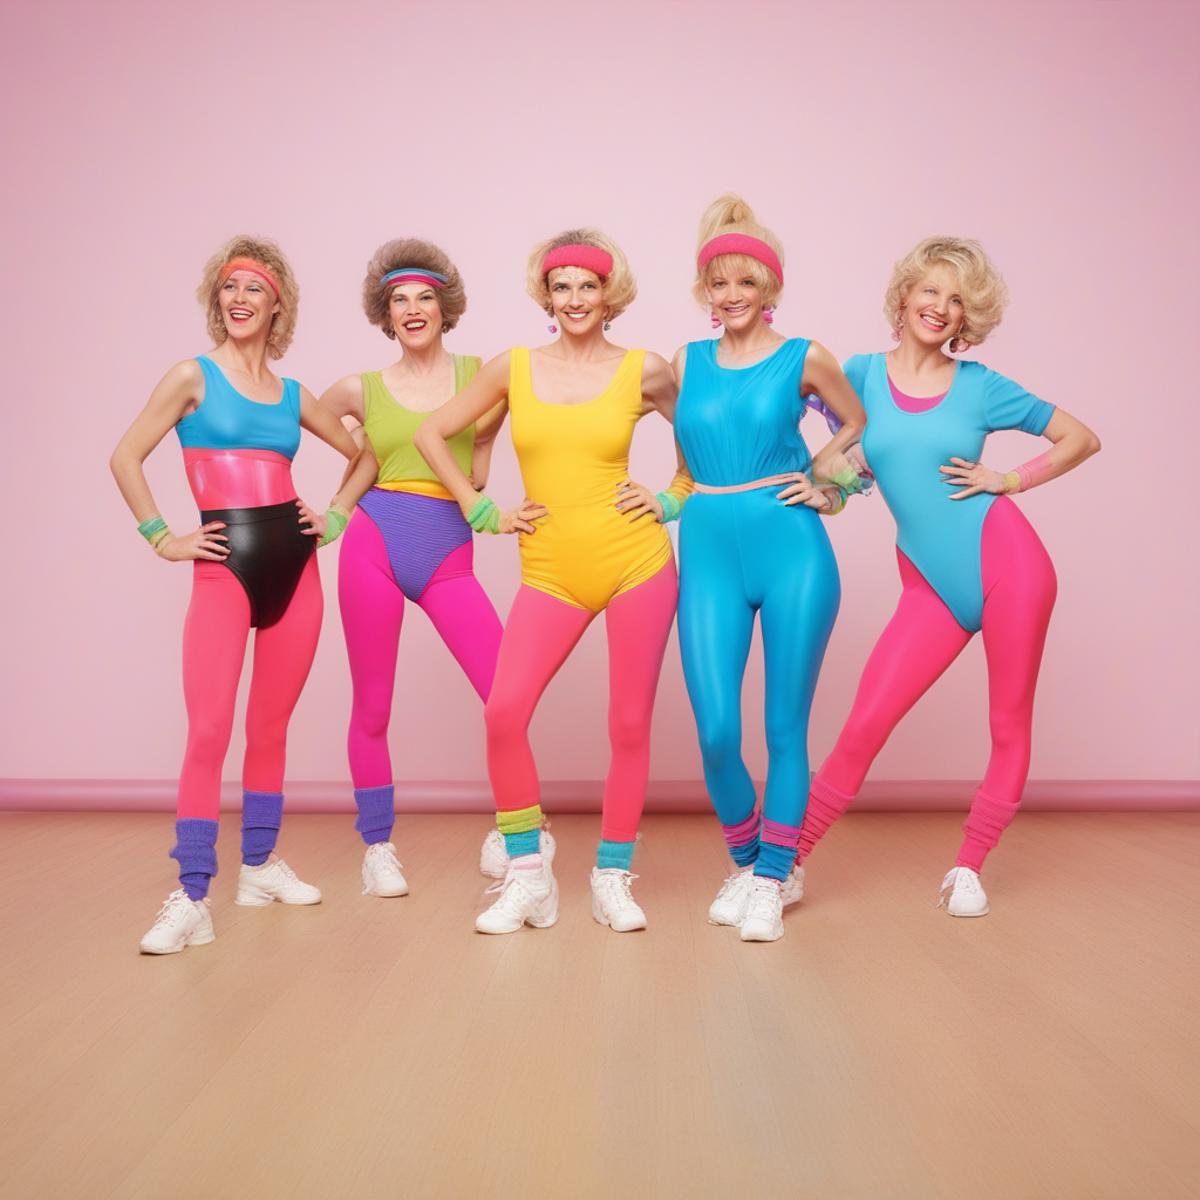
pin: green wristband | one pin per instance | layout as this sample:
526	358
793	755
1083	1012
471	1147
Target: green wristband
335	523
670	506
485	516
151	527
849	481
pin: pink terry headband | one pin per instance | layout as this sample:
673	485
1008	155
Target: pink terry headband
740	243
252	265
590	258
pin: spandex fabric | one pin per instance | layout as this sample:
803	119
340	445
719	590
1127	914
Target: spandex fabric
744	554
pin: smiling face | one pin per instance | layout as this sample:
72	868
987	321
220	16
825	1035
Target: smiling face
576	299
247	306
735	297
416	315
932	312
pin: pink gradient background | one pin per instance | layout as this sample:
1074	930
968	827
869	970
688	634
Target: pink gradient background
139	135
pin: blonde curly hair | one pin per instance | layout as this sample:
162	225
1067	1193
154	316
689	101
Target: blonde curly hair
981	287
731	214
620	288
411	252
283	323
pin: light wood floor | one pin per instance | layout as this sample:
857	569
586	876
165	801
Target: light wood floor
380	1048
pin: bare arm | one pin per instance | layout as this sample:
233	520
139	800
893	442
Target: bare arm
487	391
823	375
1072	442
659	394
485	440
178	392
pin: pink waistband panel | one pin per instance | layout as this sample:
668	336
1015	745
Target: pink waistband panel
767	481
238	478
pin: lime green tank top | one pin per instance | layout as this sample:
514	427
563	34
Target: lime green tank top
390	427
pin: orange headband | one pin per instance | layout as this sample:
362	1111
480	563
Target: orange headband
252	265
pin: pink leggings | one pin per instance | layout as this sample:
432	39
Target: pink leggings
214	649
540	633
920	642
372	607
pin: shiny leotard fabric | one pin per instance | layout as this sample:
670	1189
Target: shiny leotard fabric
965	565
407	541
742	554
572	458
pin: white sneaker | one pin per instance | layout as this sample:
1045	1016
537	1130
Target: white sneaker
729	908
493	858
612	900
274	880
181	922
381	873
966	895
764	911
527	894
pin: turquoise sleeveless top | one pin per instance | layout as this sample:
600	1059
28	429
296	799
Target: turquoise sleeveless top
227	420
736	425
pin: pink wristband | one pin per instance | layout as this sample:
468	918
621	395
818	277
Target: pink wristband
1035	471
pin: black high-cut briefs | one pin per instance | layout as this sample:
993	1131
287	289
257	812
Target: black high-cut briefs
268	552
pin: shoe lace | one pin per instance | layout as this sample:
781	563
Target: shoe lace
286	871
385	855
511	893
765	898
948	885
170	906
733	883
616	887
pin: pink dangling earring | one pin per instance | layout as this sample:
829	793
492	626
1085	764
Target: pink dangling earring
898	327
769	316
713	319
552	327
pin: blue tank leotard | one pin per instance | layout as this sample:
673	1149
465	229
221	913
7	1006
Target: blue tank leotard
941	537
748	552
227	420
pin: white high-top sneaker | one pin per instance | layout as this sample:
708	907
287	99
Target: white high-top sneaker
729	908
527	894
966	895
493	858
612	900
764	911
381	873
181	922
274	880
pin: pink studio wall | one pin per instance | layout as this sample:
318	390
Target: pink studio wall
139	135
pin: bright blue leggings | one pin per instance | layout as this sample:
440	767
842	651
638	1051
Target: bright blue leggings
740	554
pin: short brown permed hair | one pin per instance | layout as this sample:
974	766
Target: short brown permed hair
411	252
283	323
620	288
982	288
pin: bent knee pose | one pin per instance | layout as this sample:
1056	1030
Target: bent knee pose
253	568
969	560
751	542
408	540
591	541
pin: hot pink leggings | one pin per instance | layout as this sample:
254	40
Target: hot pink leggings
214	649
920	642
372	607
540	633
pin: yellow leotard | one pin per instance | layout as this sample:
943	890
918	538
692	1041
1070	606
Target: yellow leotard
572	458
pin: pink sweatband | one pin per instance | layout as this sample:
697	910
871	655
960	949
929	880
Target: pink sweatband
740	243
1035	471
252	265
590	258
